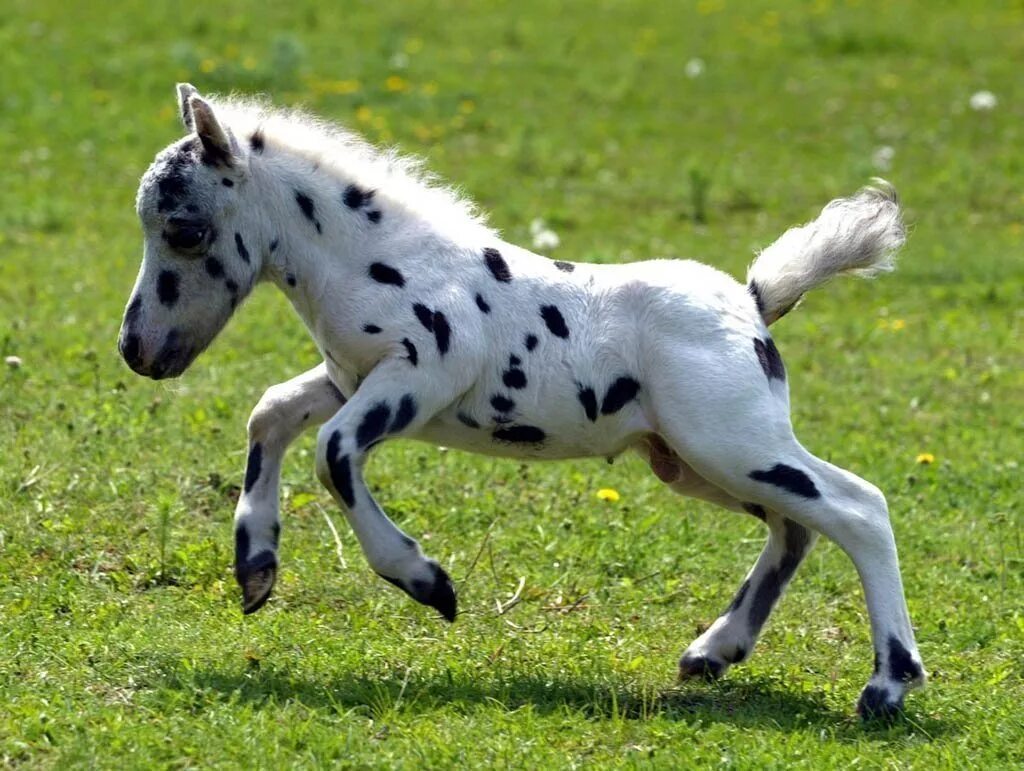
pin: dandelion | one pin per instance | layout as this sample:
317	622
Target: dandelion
694	68
466	106
983	101
396	83
429	88
363	113
544	238
881	159
608	494
897	325
207	65
925	459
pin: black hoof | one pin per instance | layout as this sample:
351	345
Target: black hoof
700	667
438	593
256	577
875	704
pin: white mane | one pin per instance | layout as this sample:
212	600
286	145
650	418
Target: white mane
297	135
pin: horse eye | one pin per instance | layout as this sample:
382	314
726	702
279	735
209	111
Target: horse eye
186	235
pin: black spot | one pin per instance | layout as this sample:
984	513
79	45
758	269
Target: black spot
256	142
341	470
442	332
373	216
755	510
275	531
497	265
305	416
227	182
737	655
374	423
385	274
514	361
788	478
875	703
240	246
355	198
308	209
131	350
502	403
371	329
467	420
273	245
768	591
131	313
175	176
290	278
405	414
241	545
411	352
619	394
902	666
741	594
588	399
755	292
167	287
514	378
481	303
214	267
770	359
425	316
253	465
519	434
566	267
553	318
531	342
700	666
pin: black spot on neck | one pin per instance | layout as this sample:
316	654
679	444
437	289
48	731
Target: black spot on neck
385	274
770	359
257	142
619	394
410	350
425	316
227	182
588	399
481	303
497	265
240	246
565	267
373	216
555	323
519	434
308	208
502	403
371	329
167	287
514	378
788	478
442	332
356	198
530	342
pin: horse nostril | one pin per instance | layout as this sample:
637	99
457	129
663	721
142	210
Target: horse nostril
131	350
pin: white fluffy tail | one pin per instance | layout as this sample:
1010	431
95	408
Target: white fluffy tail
858	235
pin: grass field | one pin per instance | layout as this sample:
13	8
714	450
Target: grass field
121	641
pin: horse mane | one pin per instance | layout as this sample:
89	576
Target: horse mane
296	134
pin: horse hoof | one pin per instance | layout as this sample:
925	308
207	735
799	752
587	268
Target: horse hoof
257	579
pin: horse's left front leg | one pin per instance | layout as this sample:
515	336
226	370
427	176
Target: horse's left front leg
284	412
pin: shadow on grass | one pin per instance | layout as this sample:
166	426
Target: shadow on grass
753	702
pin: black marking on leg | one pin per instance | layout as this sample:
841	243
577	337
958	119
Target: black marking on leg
791	479
700	666
373	425
385	274
530	342
902	666
502	403
308	209
240	246
371	329
405	414
588	399
770	359
555	323
290	278
737	655
514	378
619	394
467	420
341	470
497	265
770	588
757	511
356	198
425	316
273	245
519	434
481	303
438	593
410	350
373	216
167	287
214	267
256	142
442	332
253	466
241	546
565	267
227	182
741	595
874	703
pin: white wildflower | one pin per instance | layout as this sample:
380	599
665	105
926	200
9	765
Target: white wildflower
881	159
694	68
544	238
983	101
14	362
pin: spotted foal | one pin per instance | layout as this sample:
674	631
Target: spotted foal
433	328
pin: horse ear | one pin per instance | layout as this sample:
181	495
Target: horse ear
185	91
218	144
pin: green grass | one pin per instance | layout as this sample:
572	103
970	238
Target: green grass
121	642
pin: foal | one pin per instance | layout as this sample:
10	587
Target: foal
431	327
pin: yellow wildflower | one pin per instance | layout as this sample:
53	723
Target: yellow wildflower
363	113
897	325
925	458
208	65
249	63
466	106
608	494
396	83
